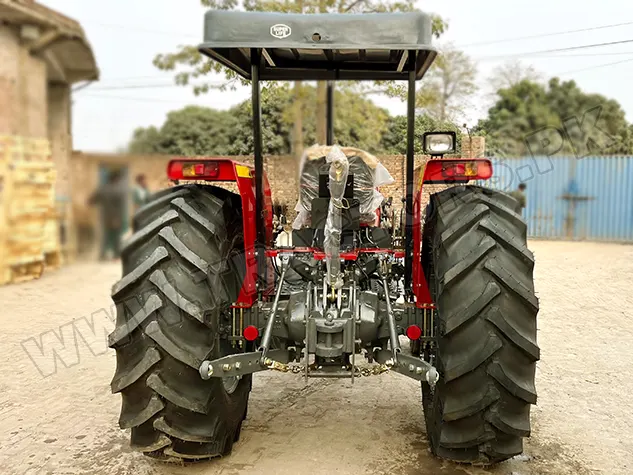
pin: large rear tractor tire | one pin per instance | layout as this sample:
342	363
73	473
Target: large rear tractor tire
182	268
480	272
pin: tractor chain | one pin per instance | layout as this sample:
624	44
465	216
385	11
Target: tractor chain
358	371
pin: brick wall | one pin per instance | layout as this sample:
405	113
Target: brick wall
473	147
282	172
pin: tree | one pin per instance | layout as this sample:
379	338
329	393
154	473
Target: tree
510	74
197	131
190	131
519	111
445	91
276	131
144	141
506	76
358	122
449	85
202	131
581	123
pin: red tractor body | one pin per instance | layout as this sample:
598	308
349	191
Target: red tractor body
436	171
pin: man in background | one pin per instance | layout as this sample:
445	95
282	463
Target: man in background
519	195
111	198
386	214
140	194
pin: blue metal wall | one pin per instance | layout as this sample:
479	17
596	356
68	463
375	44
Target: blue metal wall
568	198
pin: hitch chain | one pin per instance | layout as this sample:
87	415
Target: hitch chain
373	371
276	365
358	371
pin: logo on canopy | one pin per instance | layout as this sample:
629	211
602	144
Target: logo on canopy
280	31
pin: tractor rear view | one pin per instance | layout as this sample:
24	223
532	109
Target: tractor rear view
207	299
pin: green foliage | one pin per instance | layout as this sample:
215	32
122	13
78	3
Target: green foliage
144	141
394	140
357	122
190	131
445	91
529	108
276	132
204	131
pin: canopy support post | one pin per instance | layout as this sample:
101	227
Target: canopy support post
330	113
260	237
408	255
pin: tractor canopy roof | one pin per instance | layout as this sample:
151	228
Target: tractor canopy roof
373	46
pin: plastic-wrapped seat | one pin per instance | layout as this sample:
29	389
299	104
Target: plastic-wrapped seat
368	172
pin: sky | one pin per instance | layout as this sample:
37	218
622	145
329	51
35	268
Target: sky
126	35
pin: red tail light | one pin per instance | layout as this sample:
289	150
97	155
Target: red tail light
193	170
457	170
414	332
250	333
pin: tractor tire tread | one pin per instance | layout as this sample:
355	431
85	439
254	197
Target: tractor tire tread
482	283
169	302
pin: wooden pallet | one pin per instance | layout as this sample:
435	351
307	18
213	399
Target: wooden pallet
15	148
28	227
25	272
53	260
5	275
50	233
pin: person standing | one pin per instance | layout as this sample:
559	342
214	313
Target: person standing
111	198
519	195
386	214
140	194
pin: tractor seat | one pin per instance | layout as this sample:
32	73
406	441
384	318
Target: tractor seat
365	175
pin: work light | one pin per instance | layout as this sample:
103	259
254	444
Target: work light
438	143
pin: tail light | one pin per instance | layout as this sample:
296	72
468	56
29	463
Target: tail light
414	332
193	170
440	171
250	333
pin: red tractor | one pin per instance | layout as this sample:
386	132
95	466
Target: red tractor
207	299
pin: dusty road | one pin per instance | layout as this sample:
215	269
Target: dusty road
57	415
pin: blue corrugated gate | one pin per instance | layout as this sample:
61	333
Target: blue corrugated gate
568	198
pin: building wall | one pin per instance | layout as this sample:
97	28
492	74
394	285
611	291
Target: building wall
9	72
60	135
31	107
23	88
282	172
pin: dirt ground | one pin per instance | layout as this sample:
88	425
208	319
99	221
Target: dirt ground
57	415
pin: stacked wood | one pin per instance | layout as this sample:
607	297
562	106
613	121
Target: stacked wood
29	229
